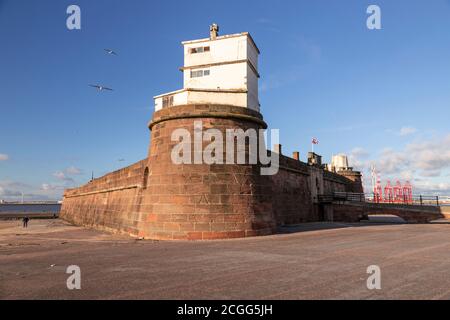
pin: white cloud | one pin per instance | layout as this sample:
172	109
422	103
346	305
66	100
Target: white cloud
73	170
432	187
3	157
59	175
391	162
52	187
357	157
406	131
65	176
432	173
360	153
12	191
9	193
427	163
62	176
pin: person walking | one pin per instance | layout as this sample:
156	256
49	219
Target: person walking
25	222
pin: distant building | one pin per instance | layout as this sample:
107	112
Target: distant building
339	163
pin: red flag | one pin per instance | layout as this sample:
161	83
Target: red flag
315	141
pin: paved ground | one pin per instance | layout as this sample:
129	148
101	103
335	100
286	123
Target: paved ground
324	261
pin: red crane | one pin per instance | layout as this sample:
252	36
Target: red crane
398	192
378	192
388	192
407	192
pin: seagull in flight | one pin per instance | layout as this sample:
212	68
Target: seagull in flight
100	88
109	51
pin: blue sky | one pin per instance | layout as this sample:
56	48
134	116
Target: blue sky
381	96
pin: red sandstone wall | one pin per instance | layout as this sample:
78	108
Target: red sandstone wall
335	183
292	201
353	212
348	212
200	201
409	213
112	202
354	177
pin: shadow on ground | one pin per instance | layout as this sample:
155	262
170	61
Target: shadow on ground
373	220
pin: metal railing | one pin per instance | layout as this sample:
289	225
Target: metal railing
422	200
342	197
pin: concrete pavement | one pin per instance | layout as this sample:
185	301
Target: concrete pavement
311	261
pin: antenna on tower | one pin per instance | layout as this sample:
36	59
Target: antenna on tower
213	31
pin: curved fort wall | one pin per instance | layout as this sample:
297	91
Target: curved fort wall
158	199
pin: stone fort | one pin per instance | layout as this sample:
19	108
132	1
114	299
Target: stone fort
156	198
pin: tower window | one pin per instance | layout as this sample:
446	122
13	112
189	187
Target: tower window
167	101
199	50
199	73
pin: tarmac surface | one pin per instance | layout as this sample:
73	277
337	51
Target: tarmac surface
308	261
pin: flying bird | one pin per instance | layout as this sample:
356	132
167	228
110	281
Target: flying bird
109	51
121	160
100	88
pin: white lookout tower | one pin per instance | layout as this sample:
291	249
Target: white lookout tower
217	70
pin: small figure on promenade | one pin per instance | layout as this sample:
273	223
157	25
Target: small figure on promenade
25	222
